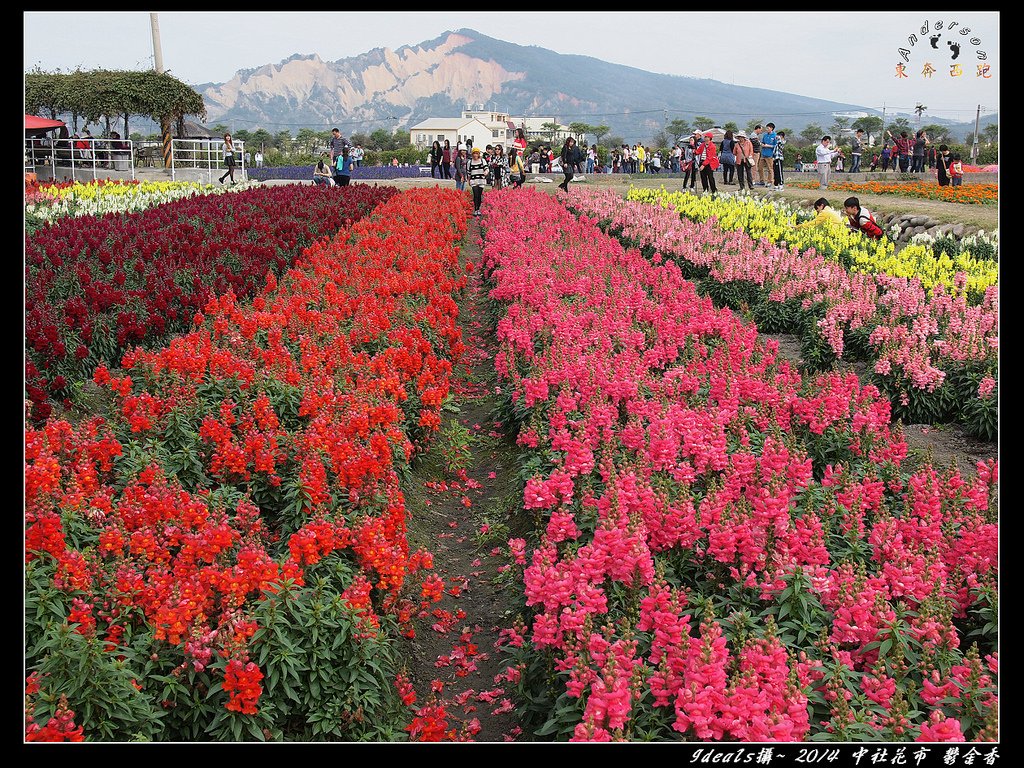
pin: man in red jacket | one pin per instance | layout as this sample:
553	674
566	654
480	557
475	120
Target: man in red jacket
707	160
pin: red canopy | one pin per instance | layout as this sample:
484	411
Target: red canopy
33	123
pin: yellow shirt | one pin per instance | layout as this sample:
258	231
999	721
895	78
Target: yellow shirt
826	217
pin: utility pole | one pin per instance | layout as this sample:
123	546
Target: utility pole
974	146
882	132
158	66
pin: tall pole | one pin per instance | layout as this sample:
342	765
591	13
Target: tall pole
882	132
974	146
158	66
158	57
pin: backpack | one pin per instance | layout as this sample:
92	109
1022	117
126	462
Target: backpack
867	225
756	143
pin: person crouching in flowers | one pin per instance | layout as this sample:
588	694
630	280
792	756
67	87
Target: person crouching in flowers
860	219
322	171
826	216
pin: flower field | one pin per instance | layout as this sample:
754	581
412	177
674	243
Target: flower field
725	550
969	194
224	556
258	506
933	354
48	202
99	284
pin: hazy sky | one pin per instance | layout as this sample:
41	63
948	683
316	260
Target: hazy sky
842	56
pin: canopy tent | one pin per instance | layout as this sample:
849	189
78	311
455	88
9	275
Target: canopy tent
37	126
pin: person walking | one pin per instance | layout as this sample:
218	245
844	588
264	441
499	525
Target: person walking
707	160
728	157
446	160
745	158
476	169
436	154
886	157
824	155
229	159
570	156
856	148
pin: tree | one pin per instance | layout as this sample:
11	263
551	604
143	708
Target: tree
678	128
661	140
991	133
732	126
871	125
551	129
920	110
614	142
937	134
600	131
581	129
812	133
751	125
107	94
283	140
702	122
839	125
900	124
309	141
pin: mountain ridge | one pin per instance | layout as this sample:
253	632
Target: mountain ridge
464	68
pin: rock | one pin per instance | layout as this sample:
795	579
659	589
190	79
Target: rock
958	230
917	221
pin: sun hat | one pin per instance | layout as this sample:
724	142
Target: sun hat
709	134
741	135
697	132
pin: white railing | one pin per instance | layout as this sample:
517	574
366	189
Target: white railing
192	158
80	159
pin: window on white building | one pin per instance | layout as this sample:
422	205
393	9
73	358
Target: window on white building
494	134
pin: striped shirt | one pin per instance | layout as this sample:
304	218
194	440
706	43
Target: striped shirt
477	169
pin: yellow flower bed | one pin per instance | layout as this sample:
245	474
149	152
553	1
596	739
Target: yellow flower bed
776	222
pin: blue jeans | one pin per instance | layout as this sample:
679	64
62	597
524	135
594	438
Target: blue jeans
590	165
958	181
460	184
855	167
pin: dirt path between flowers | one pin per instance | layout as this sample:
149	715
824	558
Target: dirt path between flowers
462	502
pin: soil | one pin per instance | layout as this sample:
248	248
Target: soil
465	519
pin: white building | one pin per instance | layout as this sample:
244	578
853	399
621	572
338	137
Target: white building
454	129
488	127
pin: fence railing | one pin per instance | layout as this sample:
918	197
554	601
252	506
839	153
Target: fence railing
67	159
205	158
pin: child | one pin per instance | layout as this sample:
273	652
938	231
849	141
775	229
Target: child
861	219
956	170
827	216
874	161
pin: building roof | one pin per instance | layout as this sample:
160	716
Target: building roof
442	123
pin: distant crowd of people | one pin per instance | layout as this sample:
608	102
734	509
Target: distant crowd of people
740	156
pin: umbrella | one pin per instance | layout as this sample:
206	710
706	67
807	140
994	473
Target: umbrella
33	123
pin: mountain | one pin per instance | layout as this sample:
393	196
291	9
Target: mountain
440	77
